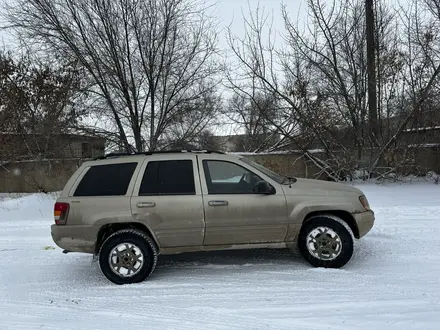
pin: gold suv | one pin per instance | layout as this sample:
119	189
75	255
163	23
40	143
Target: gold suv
127	210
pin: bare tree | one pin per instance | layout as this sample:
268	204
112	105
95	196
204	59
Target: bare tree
306	76
259	100
192	122
320	79
254	115
38	100
146	59
41	103
420	76
207	141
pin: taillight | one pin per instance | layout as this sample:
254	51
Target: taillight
60	213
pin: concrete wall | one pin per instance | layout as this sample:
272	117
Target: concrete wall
58	146
28	176
429	159
52	175
417	161
60	155
33	176
292	164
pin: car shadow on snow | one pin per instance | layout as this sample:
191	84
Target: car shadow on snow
229	257
226	262
80	270
223	263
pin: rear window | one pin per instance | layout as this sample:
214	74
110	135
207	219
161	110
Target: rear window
169	177
106	180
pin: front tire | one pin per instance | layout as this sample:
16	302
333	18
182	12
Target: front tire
326	241
128	256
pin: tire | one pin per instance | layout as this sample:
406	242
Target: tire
325	250
139	251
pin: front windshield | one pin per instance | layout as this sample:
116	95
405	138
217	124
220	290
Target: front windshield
274	176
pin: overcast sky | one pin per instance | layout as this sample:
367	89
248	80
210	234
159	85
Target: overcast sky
230	12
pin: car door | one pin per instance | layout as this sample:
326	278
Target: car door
234	213
167	198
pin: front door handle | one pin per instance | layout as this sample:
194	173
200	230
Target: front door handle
145	204
218	203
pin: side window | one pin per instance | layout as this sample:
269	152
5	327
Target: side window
106	180
228	178
168	177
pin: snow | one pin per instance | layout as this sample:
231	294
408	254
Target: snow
392	281
422	129
425	145
281	152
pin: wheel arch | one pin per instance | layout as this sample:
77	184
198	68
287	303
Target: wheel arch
108	229
343	215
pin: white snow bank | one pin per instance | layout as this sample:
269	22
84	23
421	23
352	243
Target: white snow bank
392	282
27	207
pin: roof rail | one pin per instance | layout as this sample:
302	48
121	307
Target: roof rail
149	153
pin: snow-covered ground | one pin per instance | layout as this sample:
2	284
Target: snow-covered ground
392	282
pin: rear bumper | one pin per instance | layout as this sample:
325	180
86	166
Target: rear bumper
364	222
75	238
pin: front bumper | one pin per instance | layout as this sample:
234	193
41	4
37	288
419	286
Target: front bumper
364	222
74	238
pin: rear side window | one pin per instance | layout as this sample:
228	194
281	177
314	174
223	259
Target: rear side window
168	177
106	180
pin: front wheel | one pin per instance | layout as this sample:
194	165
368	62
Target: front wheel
127	256
326	241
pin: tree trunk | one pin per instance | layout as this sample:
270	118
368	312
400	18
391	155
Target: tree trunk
152	114
371	70
137	133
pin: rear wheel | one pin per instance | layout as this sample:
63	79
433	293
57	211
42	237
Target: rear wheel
128	256
326	241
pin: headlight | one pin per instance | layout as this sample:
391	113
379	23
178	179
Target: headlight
364	202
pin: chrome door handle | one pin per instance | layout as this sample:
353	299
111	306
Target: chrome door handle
218	203
145	204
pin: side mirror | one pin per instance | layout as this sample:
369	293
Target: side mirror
264	188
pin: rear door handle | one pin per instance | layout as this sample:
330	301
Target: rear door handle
218	203
145	204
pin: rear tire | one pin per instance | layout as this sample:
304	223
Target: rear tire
128	256
326	241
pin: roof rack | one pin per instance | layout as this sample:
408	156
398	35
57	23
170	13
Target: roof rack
149	153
